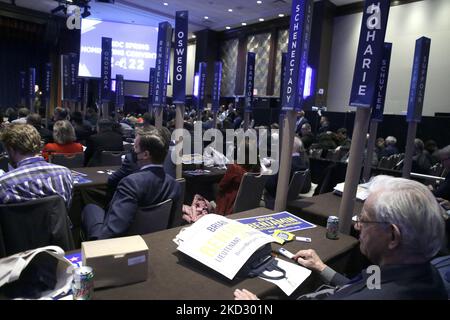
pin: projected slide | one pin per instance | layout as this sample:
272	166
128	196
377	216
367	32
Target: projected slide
133	49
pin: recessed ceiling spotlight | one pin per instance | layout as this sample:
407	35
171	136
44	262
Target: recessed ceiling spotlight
281	15
206	17
165	3
230	10
261	19
259	2
244	24
228	28
194	36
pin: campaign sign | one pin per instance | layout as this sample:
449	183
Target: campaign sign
216	86
201	85
162	64
180	56
370	52
249	81
382	80
105	73
418	79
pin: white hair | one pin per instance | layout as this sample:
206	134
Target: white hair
297	146
414	210
390	140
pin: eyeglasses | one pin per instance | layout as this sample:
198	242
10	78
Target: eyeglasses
360	221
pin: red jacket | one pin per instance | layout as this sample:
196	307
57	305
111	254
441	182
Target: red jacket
228	189
50	148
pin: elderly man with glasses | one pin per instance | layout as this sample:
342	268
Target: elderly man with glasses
401	229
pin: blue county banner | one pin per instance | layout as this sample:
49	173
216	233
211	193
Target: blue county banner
47	81
284	221
249	81
65	76
180	56
79	90
151	86
85	92
216	86
418	79
162	64
289	97
283	72
105	73
370	51
304	51
22	85
73	72
201	85
31	83
382	81
119	91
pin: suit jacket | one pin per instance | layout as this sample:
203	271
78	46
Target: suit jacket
143	188
299	163
300	122
443	191
104	141
398	282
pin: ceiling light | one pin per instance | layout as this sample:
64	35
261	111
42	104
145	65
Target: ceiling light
281	15
244	24
230	10
261	19
194	36
228	28
206	17
165	3
259	2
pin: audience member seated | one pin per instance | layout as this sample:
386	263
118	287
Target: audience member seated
421	160
148	186
432	148
324	125
443	191
379	147
300	162
301	120
82	130
307	136
22	116
396	235
91	116
390	148
342	138
105	140
326	141
32	177
64	140
58	115
35	120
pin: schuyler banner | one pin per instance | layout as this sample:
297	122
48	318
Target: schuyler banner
106	69
382	81
418	79
201	85
370	51
216	86
249	81
297	56
180	52
162	64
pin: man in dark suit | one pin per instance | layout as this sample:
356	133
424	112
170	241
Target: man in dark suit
398	237
105	140
148	186
301	120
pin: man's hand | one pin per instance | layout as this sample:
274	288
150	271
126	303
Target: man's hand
309	259
244	294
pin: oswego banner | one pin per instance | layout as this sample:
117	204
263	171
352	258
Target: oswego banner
418	79
180	56
370	51
382	81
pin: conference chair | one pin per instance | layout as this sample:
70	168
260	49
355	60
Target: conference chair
250	192
68	160
316	153
151	219
436	170
111	158
34	224
176	216
4	160
442	264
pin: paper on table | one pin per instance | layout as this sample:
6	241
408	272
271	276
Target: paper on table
362	191
295	275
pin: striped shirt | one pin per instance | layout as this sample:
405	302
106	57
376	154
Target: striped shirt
35	178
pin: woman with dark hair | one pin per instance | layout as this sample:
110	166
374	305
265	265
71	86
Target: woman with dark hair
64	137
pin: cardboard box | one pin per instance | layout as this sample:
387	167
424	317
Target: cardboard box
116	261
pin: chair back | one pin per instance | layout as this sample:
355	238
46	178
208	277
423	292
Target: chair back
33	224
436	170
4	160
68	160
250	192
315	153
176	218
111	158
442	264
296	184
152	218
383	163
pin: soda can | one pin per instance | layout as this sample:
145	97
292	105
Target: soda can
333	227
83	283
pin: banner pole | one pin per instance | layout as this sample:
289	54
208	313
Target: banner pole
409	151
369	149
